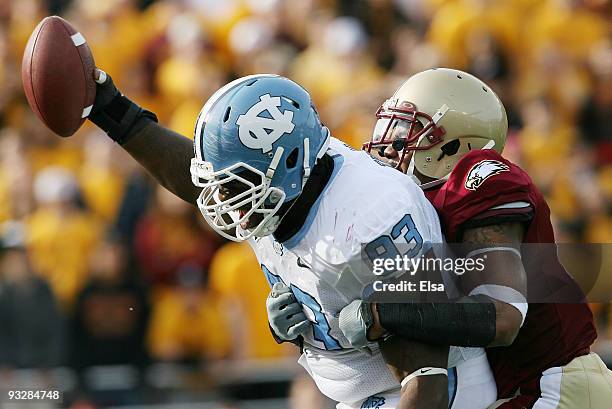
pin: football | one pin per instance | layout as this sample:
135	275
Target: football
57	75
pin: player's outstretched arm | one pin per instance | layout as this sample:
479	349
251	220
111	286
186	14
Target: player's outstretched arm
167	156
164	153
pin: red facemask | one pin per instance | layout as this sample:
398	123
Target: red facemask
414	124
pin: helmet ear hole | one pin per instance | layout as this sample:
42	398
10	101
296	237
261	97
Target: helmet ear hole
292	159
450	148
292	102
227	114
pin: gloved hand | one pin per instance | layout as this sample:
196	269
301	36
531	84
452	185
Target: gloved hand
355	320
114	113
285	314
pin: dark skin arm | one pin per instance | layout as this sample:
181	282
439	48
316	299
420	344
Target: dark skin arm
425	389
404	357
167	156
501	268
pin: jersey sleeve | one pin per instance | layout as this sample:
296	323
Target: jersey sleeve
484	189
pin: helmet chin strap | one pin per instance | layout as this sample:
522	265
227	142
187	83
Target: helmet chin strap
267	227
275	220
433	183
410	170
278	153
435	119
411	165
489	145
320	153
306	165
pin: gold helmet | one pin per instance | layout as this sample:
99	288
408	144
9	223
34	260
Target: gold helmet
440	114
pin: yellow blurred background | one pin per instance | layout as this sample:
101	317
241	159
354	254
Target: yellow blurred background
128	274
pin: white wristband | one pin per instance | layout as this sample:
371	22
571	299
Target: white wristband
476	252
102	77
424	372
504	294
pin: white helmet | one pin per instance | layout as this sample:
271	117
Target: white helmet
457	113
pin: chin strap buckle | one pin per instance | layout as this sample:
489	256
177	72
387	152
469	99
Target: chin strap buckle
306	160
439	114
274	163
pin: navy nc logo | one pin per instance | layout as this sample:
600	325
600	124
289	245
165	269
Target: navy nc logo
373	402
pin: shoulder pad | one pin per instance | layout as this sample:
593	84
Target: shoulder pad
480	181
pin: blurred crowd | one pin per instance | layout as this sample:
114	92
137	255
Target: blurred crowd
103	267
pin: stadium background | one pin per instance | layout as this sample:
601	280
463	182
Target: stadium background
117	293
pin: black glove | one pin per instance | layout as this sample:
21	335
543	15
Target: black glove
114	113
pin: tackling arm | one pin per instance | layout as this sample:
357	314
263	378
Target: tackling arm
490	316
503	268
420	390
420	368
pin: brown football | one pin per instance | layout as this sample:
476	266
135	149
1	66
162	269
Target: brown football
57	75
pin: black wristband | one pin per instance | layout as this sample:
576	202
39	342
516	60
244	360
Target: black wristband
116	114
469	322
298	342
119	119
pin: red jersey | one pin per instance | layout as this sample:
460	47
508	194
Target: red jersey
485	189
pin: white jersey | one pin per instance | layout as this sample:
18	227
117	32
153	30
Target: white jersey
363	203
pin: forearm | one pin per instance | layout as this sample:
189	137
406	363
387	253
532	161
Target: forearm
492	316
404	357
167	156
425	392
164	153
471	322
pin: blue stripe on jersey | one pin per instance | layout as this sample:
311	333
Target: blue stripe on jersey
297	237
321	328
271	278
452	386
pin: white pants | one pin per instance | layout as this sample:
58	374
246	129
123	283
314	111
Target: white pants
470	386
584	383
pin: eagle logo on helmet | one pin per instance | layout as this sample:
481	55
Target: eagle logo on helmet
258	132
482	171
